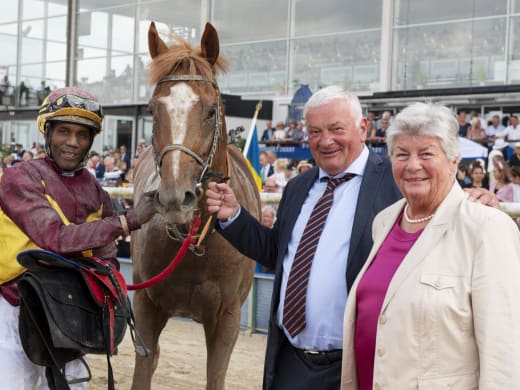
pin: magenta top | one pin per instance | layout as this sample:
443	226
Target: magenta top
370	295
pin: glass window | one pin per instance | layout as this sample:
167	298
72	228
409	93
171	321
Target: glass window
122	34
351	60
9	49
57	29
255	68
32	50
9	11
422	11
85	5
90	37
330	16
185	21
55	74
449	55
252	20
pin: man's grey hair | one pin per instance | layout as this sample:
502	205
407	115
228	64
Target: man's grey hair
334	92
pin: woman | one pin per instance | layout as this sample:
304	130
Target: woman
478	176
475	132
436	304
502	185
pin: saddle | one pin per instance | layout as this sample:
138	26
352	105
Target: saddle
71	307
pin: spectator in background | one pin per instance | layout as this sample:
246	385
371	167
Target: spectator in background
476	132
493	129
299	133
268	132
5	89
27	155
497	150
463	123
266	169
475	114
514	161
271	157
23	94
515	179
138	150
478	176
280	171
268	216
462	175
112	177
290	130
303	166
279	133
125	157
271	186
502	186
512	132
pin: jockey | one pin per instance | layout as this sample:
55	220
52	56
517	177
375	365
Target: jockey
55	204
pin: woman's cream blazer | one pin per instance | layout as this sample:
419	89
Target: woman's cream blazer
451	314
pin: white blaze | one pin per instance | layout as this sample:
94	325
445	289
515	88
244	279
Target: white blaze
179	103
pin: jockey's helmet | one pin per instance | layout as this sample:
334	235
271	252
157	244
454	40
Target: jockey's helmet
71	104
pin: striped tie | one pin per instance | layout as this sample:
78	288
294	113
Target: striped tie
296	292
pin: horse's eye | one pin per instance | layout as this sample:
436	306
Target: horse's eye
151	107
211	112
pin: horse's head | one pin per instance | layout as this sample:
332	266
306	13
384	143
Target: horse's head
189	134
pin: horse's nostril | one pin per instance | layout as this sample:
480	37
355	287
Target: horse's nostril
189	199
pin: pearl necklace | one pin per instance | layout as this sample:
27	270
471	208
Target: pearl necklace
418	220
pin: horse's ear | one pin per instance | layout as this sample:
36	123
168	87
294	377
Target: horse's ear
209	44
156	45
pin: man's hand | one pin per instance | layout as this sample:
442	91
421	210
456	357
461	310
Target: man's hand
221	199
483	196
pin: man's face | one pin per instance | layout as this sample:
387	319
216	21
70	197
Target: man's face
514	121
69	144
263	159
335	140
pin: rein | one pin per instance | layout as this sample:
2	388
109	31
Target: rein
194	226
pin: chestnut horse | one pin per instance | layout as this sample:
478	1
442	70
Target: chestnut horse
189	149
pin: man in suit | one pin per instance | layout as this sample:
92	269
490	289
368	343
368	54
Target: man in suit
268	132
125	156
266	169
310	358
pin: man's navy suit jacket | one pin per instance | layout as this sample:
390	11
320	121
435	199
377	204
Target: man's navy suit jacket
269	246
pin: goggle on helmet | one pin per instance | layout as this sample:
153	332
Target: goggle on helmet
71	105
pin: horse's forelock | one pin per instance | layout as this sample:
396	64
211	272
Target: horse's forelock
165	63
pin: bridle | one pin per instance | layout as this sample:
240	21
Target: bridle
172	231
216	135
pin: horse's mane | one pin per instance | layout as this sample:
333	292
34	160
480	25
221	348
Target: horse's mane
183	55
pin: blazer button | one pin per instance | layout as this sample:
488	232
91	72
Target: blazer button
380	352
377	386
382	319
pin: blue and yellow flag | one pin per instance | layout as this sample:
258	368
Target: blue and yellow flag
252	150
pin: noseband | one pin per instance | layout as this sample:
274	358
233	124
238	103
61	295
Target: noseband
216	135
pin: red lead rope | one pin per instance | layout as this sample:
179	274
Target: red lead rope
195	223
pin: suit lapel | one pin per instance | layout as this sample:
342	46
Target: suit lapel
429	238
369	185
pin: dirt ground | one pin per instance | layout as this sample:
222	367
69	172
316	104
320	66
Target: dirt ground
183	360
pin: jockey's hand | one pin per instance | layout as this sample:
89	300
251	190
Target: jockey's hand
483	196
221	199
145	209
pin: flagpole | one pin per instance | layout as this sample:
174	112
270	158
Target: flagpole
251	132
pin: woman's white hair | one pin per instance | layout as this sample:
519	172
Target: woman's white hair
333	92
425	119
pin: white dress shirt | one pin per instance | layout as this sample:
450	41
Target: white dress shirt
327	285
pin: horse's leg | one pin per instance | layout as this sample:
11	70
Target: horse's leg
150	322
221	335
